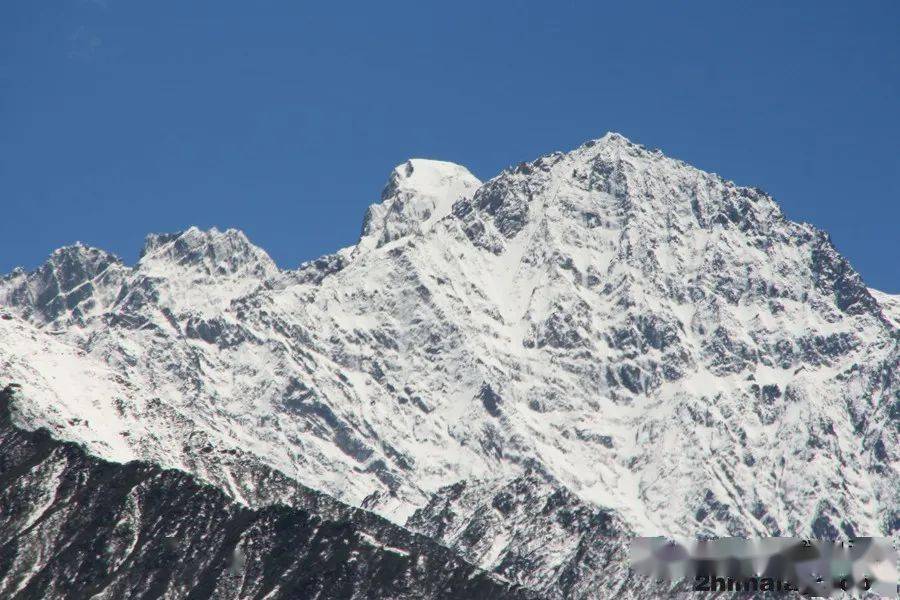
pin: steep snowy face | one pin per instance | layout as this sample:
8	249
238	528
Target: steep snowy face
419	193
660	343
76	283
642	329
890	306
195	273
210	253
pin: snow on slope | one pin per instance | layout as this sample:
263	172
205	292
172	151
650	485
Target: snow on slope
69	391
660	342
419	193
890	305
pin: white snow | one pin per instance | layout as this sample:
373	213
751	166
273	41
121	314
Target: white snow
420	192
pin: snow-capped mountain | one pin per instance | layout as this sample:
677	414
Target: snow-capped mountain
649	346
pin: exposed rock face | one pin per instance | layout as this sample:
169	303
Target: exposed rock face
74	526
533	531
75	283
661	345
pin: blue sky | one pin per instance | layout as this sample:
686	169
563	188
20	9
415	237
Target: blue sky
118	118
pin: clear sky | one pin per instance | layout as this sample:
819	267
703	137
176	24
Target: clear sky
284	118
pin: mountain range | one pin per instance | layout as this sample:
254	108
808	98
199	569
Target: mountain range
521	374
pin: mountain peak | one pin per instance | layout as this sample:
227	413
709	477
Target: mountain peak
610	140
212	251
65	285
613	138
77	246
426	177
418	193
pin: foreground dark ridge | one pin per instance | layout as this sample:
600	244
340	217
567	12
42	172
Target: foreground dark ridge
75	526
